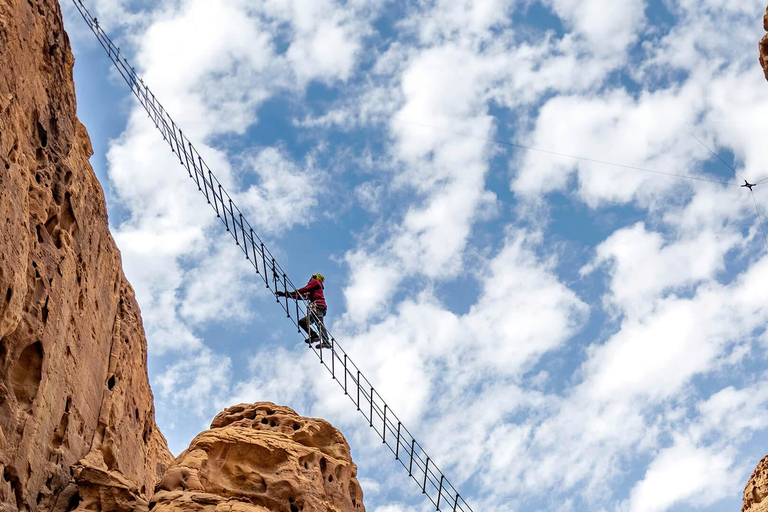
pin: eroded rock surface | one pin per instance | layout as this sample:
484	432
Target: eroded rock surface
263	458
764	46
77	423
756	492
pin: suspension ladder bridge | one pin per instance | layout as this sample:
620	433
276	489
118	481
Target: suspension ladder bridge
380	417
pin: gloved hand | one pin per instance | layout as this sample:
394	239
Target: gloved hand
280	294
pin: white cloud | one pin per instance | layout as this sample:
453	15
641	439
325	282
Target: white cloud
683	472
608	26
285	194
197	381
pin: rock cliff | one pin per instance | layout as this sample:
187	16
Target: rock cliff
764	46
756	491
262	458
77	422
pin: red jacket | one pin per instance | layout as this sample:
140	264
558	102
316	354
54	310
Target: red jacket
313	292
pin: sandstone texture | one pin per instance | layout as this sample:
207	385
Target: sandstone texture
77	423
262	458
756	492
764	46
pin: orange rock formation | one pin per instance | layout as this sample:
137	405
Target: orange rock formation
756	491
263	458
77	422
764	46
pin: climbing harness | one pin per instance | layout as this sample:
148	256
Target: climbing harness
411	455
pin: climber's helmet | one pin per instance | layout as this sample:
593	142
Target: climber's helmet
319	277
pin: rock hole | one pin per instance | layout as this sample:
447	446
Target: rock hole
7	166
10	476
60	433
39	155
323	465
45	309
8	295
37	177
111	383
272	424
68	221
264	421
330	478
270	413
74	502
144	489
42	134
306	466
27	373
68	178
296	426
136	414
39	234
51	224
294	508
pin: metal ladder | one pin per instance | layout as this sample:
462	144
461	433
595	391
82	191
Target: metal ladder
421	468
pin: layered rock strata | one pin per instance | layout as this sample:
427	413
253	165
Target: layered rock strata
764	46
263	458
77	423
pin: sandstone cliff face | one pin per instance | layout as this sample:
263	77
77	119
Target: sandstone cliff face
756	491
77	426
764	46
263	458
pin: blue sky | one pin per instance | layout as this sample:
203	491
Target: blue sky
559	333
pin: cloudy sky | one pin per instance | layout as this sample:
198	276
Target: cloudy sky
559	333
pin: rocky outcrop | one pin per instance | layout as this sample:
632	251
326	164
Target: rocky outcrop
263	458
764	46
77	425
756	492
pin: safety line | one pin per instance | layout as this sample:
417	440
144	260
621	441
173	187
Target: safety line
566	155
757	209
760	218
715	154
411	455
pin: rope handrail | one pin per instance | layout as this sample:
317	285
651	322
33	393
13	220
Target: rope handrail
403	445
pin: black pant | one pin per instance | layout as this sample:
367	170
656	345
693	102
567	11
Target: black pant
315	317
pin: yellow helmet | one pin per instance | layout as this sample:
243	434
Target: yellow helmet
319	277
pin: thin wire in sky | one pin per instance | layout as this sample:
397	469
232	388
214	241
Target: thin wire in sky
757	209
556	153
760	218
716	155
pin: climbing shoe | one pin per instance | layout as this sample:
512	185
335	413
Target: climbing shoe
323	344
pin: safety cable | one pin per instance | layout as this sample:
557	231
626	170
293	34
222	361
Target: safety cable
715	154
760	217
368	401
557	153
752	193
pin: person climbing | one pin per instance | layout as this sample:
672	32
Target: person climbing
748	185
312	292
